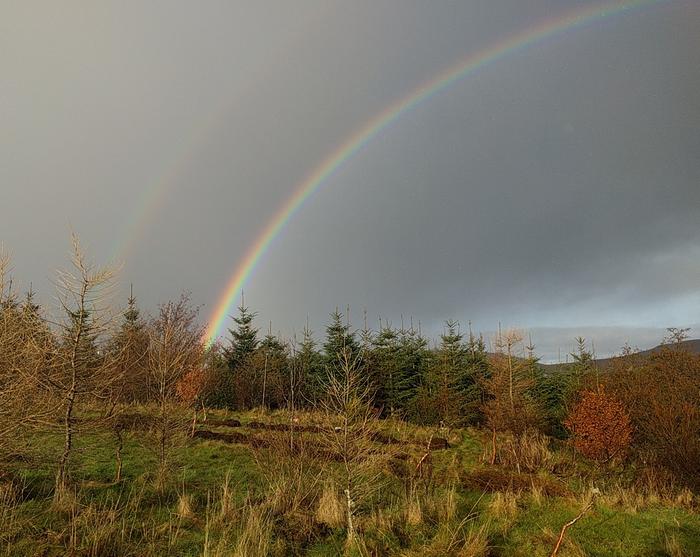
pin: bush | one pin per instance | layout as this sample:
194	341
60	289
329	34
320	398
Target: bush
600	426
662	393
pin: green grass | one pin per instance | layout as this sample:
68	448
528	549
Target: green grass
134	518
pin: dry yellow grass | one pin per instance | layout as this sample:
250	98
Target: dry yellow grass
331	509
413	510
503	505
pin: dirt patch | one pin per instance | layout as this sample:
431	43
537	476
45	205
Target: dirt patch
233	437
494	479
223	423
438	444
284	427
133	421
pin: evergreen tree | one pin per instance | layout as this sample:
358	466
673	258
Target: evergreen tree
270	367
129	346
470	381
132	315
451	372
81	337
244	338
310	363
35	325
31	309
440	396
387	369
415	358
219	391
584	362
340	342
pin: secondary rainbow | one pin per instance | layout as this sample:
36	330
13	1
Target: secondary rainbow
373	127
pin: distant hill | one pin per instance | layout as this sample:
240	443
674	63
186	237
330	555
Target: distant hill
691	345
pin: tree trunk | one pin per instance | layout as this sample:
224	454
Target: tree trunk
264	382
493	446
118	456
350	525
62	473
194	422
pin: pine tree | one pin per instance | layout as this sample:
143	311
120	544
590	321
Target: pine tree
440	397
132	315
30	307
244	338
271	363
387	369
451	372
130	348
579	373
310	363
340	343
81	338
471	377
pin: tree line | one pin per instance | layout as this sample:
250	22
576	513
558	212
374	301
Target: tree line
83	365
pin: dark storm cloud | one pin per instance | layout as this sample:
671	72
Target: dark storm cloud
558	187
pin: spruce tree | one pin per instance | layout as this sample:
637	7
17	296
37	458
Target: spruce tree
387	369
451	372
129	347
30	307
270	366
310	363
244	338
470	379
340	342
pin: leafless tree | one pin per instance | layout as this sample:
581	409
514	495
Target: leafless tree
175	349
508	406
24	343
79	370
348	433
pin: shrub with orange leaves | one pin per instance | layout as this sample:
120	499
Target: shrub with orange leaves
190	387
600	425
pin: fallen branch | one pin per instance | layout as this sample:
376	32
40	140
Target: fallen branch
568	525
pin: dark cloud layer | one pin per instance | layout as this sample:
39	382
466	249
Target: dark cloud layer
556	189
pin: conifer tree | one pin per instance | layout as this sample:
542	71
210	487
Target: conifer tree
388	370
271	363
563	388
451	372
471	377
30	307
244	338
340	342
415	358
131	344
310	364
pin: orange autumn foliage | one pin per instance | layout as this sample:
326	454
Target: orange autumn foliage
191	386
600	425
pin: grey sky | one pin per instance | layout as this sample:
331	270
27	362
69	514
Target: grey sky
556	189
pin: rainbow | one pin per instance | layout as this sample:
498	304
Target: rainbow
373	127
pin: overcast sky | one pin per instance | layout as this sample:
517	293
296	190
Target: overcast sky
556	189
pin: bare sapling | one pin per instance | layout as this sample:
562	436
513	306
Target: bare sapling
25	341
80	370
175	350
348	432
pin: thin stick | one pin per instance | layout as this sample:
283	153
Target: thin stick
567	525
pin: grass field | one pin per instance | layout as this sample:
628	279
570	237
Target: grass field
260	496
